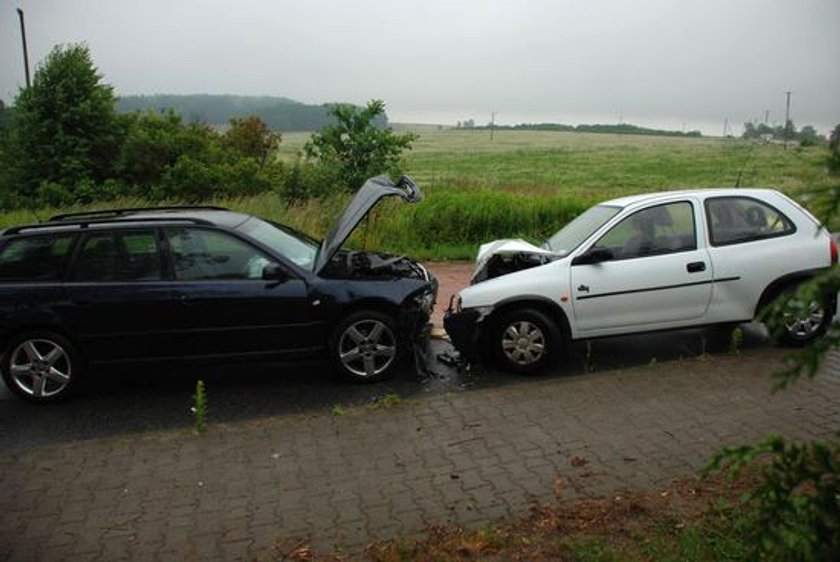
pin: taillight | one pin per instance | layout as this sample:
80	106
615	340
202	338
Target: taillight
833	251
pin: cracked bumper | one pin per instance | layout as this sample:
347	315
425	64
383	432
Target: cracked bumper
465	331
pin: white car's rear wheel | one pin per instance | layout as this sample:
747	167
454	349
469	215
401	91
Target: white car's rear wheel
802	325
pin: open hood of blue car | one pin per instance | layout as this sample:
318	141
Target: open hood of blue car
373	190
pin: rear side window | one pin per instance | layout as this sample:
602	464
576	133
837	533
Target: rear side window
733	220
35	258
118	257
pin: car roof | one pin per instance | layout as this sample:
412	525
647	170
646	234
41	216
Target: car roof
702	193
215	216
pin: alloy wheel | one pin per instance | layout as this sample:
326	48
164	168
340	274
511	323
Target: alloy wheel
367	348
40	367
803	327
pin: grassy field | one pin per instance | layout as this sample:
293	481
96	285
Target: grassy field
597	165
528	184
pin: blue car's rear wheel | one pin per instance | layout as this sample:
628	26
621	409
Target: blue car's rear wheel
41	366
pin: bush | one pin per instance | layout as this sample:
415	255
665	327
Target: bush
305	180
355	147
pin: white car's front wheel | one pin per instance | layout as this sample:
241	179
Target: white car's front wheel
526	341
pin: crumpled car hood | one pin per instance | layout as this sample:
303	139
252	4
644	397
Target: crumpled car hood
506	256
366	198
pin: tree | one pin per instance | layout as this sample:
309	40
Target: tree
355	147
808	136
795	509
251	137
154	143
64	129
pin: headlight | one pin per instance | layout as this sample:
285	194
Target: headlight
483	312
455	303
425	301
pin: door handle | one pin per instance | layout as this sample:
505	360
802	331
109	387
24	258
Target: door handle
182	298
696	266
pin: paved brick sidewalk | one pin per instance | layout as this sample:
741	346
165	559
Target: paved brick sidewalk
465	458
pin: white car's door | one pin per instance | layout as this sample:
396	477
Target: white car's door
655	275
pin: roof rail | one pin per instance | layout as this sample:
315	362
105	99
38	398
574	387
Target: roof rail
115	220
120	212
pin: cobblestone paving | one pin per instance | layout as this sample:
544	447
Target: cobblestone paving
342	480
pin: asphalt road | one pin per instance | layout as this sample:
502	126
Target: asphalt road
116	402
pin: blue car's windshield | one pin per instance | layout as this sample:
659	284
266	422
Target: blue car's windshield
573	234
296	246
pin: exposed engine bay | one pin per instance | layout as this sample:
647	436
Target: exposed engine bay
349	264
509	256
503	264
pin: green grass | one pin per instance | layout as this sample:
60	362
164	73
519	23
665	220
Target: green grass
598	165
524	184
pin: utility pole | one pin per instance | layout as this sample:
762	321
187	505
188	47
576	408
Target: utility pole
766	116
787	116
23	39
492	124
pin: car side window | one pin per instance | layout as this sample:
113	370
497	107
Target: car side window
118	257
663	229
34	258
733	220
202	254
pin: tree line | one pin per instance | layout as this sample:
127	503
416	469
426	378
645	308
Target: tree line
278	113
806	136
617	129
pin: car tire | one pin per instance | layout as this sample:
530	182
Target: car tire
366	346
799	330
42	367
526	341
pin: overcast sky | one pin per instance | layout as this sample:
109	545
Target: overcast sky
675	63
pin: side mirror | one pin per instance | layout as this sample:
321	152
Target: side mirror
593	256
273	271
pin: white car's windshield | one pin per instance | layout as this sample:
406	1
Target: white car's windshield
573	234
294	245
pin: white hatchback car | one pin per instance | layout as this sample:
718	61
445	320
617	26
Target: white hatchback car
643	263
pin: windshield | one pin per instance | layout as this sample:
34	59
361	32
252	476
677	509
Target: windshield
573	234
294	245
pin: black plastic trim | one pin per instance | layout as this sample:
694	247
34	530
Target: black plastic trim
660	288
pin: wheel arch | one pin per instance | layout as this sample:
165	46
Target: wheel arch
779	285
27	327
378	304
548	307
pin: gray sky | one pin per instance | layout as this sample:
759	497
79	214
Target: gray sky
669	63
